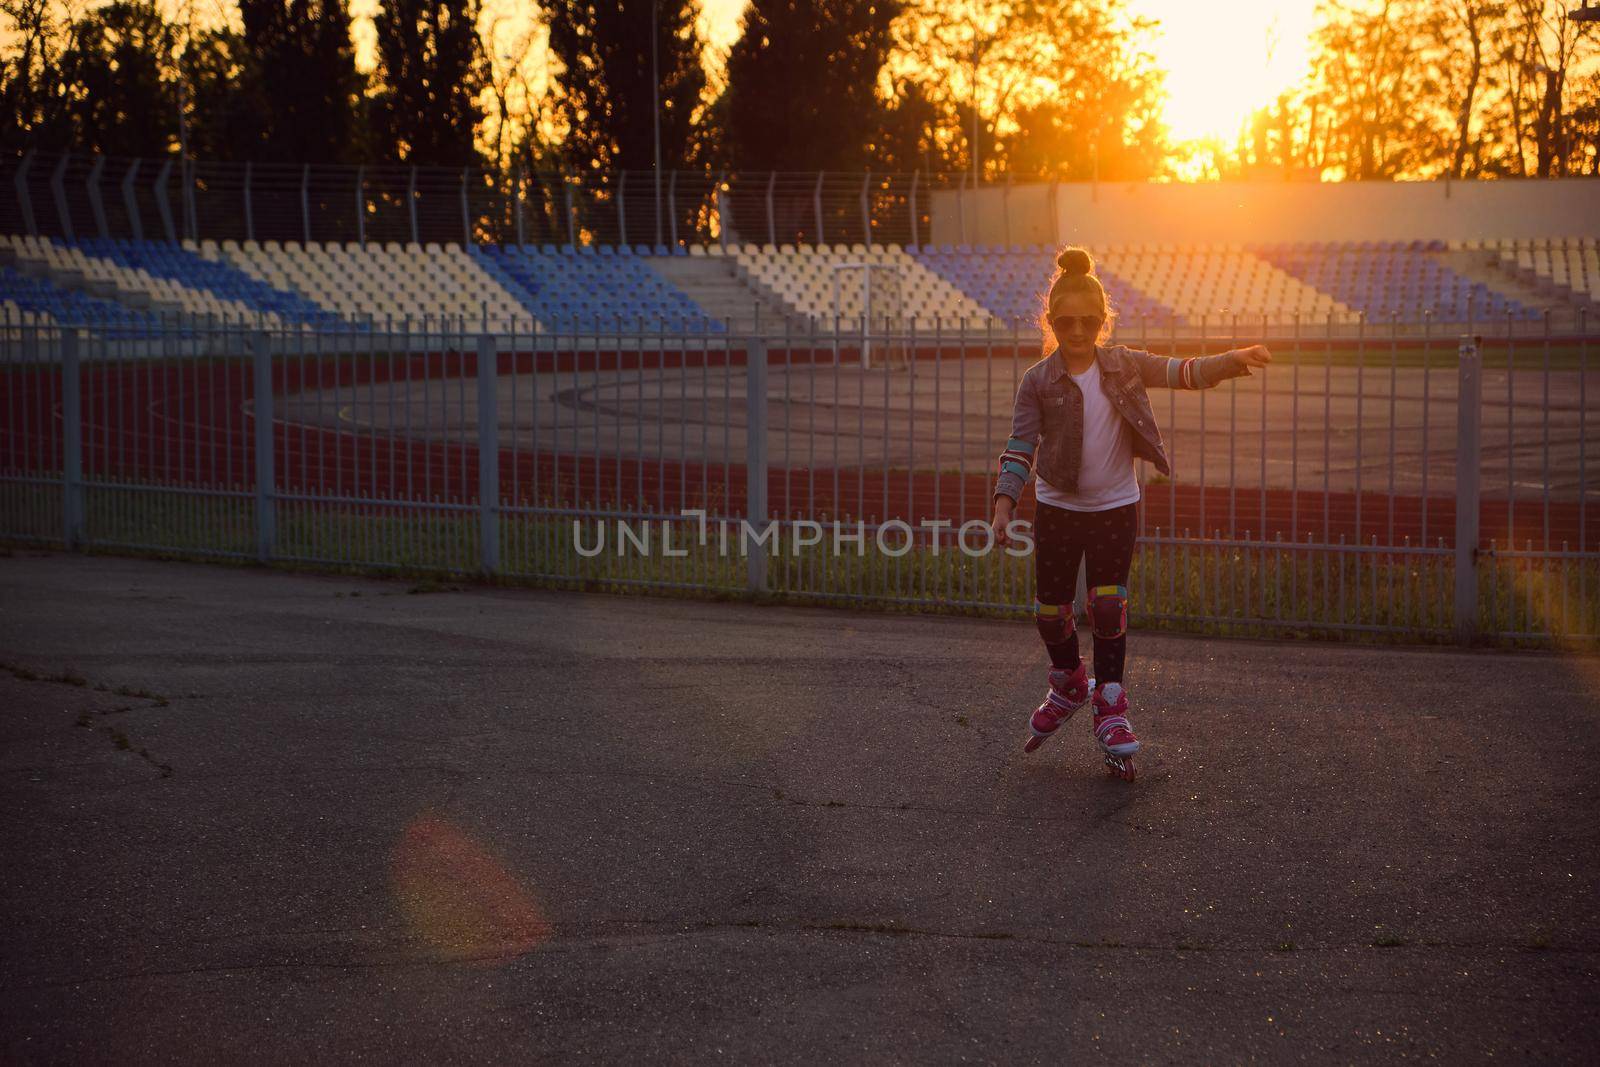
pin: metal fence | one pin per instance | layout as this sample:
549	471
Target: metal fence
80	195
1433	488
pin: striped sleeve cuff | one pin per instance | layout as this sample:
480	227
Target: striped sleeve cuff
1017	458
1015	465
1182	373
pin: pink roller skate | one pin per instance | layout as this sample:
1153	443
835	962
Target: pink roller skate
1069	691
1113	731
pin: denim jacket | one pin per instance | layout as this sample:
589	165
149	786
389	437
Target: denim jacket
1047	424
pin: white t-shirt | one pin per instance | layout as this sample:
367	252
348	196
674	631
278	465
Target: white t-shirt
1106	480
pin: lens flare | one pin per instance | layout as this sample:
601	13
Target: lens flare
459	901
1527	598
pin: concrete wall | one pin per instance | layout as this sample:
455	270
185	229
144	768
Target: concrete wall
1267	211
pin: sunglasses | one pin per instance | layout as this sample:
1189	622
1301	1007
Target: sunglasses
1088	323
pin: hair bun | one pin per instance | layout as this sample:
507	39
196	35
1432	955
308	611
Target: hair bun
1075	261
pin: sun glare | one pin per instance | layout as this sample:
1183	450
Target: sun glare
1224	60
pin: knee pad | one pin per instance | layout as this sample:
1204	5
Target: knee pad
1108	607
1054	621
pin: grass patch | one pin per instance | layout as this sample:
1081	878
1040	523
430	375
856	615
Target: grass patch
66	677
1186	585
72	678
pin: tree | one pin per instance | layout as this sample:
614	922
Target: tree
909	136
1556	39
1584	123
513	106
606	93
121	81
432	70
1371	81
604	86
1416	89
803	83
1060	89
31	96
298	61
229	113
1463	30
103	82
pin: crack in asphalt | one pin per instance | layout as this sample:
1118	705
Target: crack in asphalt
699	927
779	798
86	719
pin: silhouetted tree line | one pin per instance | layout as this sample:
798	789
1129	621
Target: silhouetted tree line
1030	89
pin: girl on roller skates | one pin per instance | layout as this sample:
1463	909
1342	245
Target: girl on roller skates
1082	415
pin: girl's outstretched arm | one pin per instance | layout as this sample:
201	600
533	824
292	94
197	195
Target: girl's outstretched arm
1016	459
1198	372
1015	464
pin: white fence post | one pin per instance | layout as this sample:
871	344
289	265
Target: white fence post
755	461
266	495
72	441
488	457
1469	414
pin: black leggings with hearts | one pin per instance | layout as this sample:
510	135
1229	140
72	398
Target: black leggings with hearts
1106	539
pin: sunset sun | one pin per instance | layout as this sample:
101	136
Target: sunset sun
1224	61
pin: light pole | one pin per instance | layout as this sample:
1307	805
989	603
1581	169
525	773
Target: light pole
975	54
189	225
655	98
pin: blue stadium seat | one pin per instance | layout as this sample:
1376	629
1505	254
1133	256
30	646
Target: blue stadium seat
586	289
173	262
1010	283
1391	281
71	307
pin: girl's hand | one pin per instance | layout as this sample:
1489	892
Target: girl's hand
1003	507
1253	356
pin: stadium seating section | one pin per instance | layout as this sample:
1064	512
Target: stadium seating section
1395	281
1566	266
1007	281
821	283
131	286
30	300
599	288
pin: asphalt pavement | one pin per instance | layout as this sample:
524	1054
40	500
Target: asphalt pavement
249	815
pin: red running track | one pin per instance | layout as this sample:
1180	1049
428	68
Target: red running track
190	426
